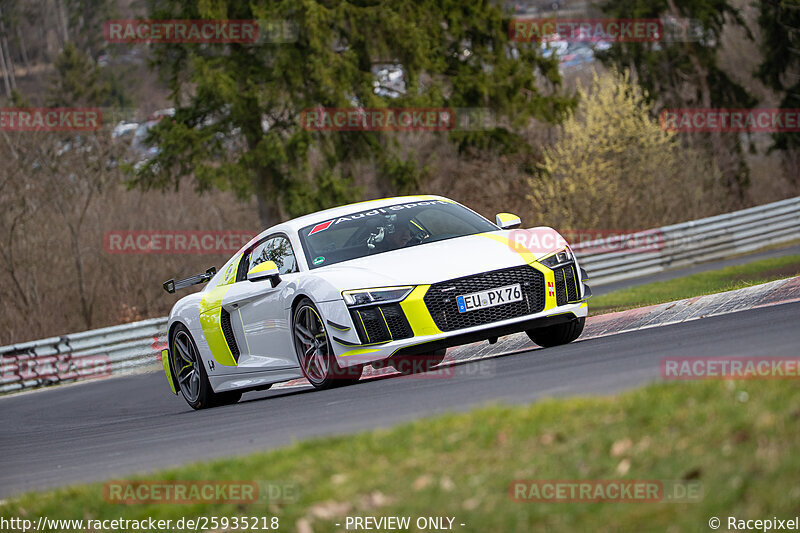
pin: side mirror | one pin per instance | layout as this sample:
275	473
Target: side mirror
508	221
266	270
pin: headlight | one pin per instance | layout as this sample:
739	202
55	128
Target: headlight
375	296
558	258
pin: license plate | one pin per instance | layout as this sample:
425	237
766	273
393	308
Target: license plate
490	298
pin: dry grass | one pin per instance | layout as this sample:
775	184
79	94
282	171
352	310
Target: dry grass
56	276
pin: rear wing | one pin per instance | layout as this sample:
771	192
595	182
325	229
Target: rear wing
171	285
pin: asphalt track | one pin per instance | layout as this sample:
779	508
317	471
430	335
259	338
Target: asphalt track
120	426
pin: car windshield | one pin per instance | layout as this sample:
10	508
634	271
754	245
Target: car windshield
386	229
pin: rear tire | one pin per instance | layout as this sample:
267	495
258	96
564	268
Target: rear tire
191	373
557	334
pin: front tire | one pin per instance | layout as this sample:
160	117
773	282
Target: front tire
557	334
314	353
191	373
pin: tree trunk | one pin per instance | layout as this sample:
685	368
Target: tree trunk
62	15
5	71
9	62
720	152
24	51
264	186
75	233
86	307
266	212
11	263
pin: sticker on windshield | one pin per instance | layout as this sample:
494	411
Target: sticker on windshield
320	227
318	261
371	213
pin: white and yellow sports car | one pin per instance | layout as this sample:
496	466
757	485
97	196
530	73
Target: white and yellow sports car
394	281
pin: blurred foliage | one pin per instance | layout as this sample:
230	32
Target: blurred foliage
613	165
236	124
779	21
60	194
85	20
79	82
682	68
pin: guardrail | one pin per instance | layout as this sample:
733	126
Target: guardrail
652	251
137	346
79	356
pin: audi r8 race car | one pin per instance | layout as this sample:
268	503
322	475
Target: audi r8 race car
386	282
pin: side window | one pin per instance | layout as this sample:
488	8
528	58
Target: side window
277	249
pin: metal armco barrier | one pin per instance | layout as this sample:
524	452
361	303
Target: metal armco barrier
688	243
79	356
137	346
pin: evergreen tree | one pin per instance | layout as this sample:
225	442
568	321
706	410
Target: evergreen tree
780	49
77	80
682	69
238	106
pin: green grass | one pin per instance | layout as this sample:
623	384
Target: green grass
738	439
713	281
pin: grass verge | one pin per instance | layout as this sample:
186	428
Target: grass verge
737	438
713	281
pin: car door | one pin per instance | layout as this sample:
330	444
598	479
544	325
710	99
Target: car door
257	312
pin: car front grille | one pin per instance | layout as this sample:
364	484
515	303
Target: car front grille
566	284
381	323
441	298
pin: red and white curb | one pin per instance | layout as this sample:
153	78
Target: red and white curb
766	294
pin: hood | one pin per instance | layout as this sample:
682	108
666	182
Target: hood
431	263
